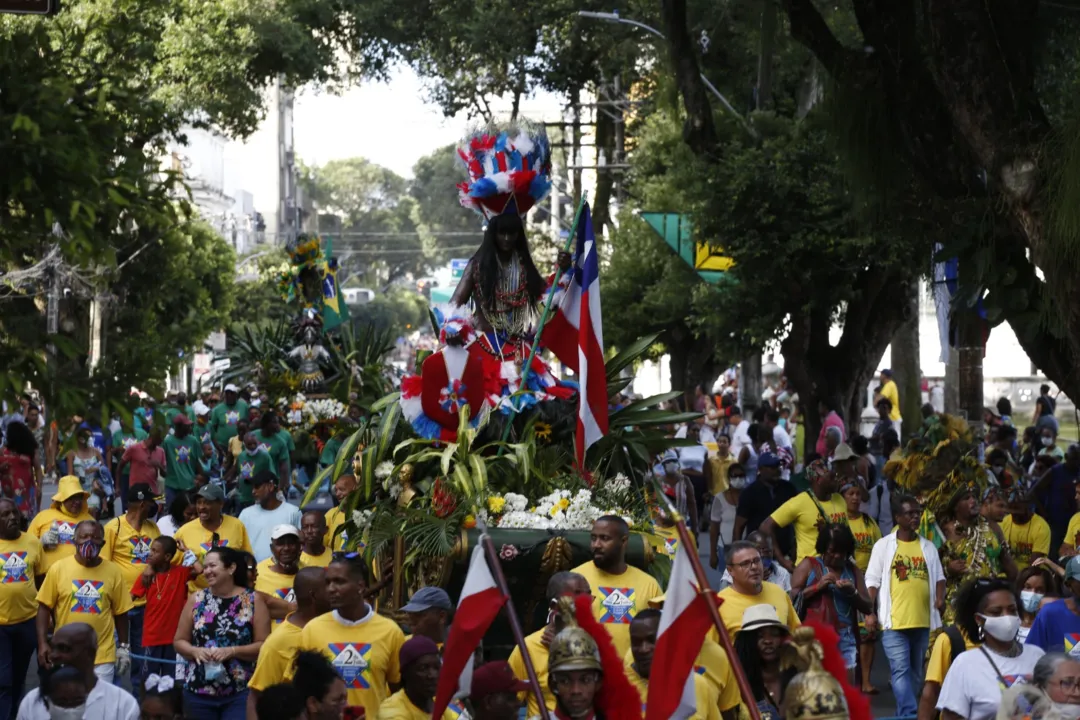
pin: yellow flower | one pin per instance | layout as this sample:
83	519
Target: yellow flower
542	431
554	510
496	504
470	522
563	504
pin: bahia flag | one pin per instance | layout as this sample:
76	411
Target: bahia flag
335	311
576	336
683	625
481	600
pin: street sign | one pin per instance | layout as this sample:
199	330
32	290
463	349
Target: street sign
29	7
678	233
457	267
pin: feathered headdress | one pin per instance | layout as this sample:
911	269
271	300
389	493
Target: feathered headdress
509	168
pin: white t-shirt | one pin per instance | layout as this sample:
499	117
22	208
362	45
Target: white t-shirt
693	458
740	437
723	512
972	688
167	526
105	702
260	523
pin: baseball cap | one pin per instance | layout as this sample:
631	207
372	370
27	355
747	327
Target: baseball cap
843	452
759	616
140	492
262	477
768	460
494	677
200	408
231	388
1072	568
427	598
181	419
417	647
211	492
283	530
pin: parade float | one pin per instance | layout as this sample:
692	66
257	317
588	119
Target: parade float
471	440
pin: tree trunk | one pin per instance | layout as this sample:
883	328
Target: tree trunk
906	366
699	130
605	179
750	389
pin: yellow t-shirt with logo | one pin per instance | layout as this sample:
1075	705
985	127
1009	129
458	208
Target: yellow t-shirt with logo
618	598
20	560
276	656
1031	537
910	587
941	657
90	595
866	533
129	549
735	604
365	655
399	707
65	525
198	540
705	694
539	654
664	540
335	518
1072	534
803	511
316	560
275	584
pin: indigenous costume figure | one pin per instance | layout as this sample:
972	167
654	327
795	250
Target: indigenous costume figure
481	362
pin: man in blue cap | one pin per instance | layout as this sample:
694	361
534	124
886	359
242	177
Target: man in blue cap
761	499
429	614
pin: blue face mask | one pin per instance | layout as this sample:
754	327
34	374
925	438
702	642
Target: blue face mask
783	423
766	563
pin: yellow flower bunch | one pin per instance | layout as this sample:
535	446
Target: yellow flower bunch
496	504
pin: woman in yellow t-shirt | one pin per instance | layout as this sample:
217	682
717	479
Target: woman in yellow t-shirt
866	533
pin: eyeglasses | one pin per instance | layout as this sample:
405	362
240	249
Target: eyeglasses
1068	684
747	564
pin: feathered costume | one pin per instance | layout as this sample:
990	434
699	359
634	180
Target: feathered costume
509	172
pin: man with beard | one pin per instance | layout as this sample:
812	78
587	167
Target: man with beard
619	591
420	666
277	574
85	588
20	555
363	645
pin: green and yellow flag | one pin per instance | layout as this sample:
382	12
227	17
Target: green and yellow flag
335	311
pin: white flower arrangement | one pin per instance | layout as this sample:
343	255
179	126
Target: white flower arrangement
304	414
560	510
362	518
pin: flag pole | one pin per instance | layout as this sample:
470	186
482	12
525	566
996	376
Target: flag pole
713	603
526	368
515	623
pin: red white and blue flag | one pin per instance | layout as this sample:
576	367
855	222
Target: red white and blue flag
576	335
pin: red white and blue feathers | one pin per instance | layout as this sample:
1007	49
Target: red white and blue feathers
509	169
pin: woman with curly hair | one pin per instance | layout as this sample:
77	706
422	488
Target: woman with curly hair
20	474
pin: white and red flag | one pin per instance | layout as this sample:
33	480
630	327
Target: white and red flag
481	600
684	622
575	334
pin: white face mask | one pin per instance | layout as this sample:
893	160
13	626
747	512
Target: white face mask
1030	599
1002	628
737	483
1069	710
1047	441
59	713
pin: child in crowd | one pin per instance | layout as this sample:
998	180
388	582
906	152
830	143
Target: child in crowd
162	699
165	588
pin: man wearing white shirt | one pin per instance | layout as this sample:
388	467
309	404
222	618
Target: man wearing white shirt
738	430
75	645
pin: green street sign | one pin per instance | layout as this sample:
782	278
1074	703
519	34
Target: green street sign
29	7
678	232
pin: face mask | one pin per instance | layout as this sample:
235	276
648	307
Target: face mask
1048	441
59	713
783	423
89	550
766	562
737	483
671	468
1031	600
1002	628
1069	710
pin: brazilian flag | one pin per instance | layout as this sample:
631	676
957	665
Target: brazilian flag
335	311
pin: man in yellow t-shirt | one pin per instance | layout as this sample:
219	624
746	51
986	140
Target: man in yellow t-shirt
889	391
494	691
1027	534
643	631
127	544
749	588
84	588
20	563
210	529
809	510
363	645
619	591
561	584
315	552
420	665
276	574
279	650
335	517
55	525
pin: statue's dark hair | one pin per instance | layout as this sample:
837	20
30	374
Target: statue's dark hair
488	261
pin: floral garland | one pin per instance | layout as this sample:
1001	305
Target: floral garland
304	414
560	510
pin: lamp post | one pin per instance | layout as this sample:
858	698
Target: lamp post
616	18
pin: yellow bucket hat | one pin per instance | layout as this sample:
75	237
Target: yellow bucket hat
69	487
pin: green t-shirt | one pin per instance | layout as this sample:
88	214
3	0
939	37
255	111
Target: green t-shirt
182	460
330	450
290	447
122	440
277	447
248	465
223	420
169	412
